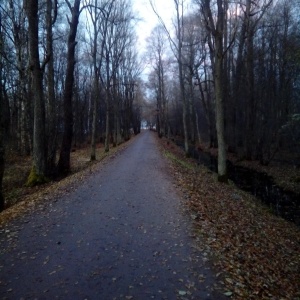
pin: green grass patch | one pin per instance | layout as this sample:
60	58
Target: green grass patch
178	161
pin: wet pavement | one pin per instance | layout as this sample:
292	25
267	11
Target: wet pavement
121	234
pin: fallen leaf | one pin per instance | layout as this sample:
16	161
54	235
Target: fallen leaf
228	294
182	293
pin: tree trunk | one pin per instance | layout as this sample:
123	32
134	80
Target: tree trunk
107	128
206	106
2	150
222	170
37	174
94	122
216	28
115	136
95	20
250	134
19	40
198	130
191	105
94	131
218	75
4	127
64	158
52	128
181	80
184	112
2	165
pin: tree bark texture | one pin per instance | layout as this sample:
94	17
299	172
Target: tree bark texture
95	20
37	174
52	127
181	75
217	30
222	171
64	158
94	119
4	127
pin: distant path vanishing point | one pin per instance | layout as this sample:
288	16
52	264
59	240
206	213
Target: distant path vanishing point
121	234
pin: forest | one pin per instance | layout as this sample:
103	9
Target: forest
226	75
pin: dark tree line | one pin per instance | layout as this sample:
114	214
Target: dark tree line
69	75
226	75
236	80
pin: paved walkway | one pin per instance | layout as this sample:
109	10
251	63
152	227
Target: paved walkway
122	234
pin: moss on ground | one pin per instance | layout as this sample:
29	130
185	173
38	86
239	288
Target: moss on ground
178	161
35	179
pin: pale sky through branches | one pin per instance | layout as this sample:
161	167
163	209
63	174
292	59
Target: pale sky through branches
167	12
149	20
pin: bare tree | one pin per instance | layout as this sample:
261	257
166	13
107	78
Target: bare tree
156	52
37	174
119	37
99	12
215	28
64	158
177	48
17	33
4	116
51	16
253	15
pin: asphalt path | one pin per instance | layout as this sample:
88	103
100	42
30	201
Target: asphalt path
122	233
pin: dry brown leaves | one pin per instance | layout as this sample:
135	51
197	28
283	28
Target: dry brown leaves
257	253
23	199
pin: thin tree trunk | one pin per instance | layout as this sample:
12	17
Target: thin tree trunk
94	122
94	125
217	31
250	134
21	90
118	130
191	105
115	128
95	20
198	130
52	129
4	126
222	171
179	20
64	159
37	174
107	128
219	90
2	166
207	110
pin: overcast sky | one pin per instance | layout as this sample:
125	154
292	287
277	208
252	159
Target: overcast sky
166	10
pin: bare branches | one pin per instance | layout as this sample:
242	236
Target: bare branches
161	21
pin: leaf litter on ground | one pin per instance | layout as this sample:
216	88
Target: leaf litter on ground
257	253
22	199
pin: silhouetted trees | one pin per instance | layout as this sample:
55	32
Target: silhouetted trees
62	86
240	76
